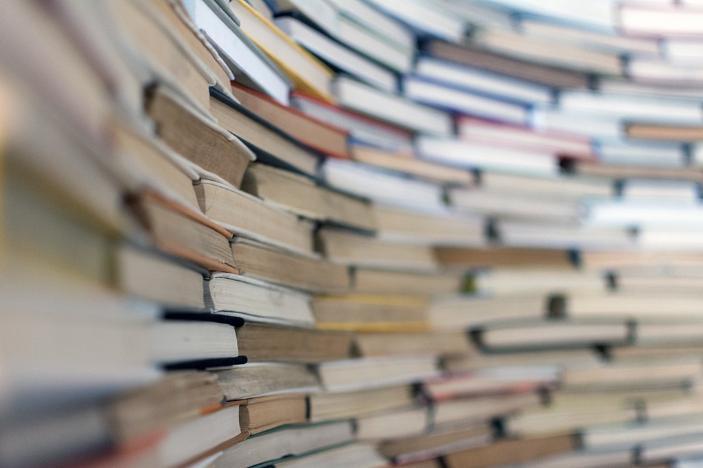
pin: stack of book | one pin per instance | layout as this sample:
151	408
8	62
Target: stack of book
428	233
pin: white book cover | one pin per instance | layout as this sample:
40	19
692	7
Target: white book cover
482	81
486	156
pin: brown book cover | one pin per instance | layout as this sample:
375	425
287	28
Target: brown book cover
269	142
459	257
264	413
547	75
661	131
184	232
197	138
614	171
261	343
409	165
311	132
267	263
512	451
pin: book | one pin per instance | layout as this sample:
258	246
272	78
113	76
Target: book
306	72
378	186
292	440
473	129
259	261
664	132
150	275
455	99
305	198
336	54
513	450
358	454
545	51
168	57
198	138
484	156
264	379
373	281
339	405
258	301
371	313
431	20
399	111
236	49
347	248
316	134
498	63
257	415
362	128
554	334
482	82
391	425
369	373
253	218
412	166
184	232
441	344
268	343
159	167
434	444
267	142
514	257
202	436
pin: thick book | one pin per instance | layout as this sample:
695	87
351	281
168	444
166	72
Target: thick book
270	343
347	248
498	63
267	141
263	379
483	82
261	414
197	438
258	301
383	187
163	50
456	99
306	72
149	275
391	108
437	442
371	313
337	54
416	228
253	218
236	49
306	272
523	137
289	441
325	406
316	134
514	257
392	424
410	165
155	164
438	344
376	372
375	281
513	451
554	335
198	138
362	128
303	197
181	231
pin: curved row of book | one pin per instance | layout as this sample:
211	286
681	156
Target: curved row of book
359	233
